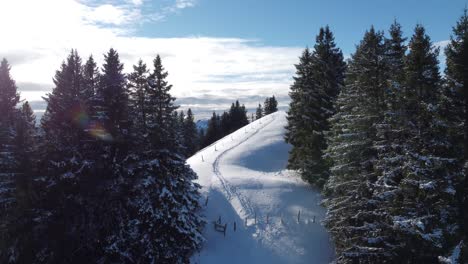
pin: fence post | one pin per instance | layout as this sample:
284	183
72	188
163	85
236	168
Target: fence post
298	216
225	227
234	226
202	159
206	201
219	220
215	148
267	218
314	219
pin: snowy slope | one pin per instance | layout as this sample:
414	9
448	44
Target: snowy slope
244	175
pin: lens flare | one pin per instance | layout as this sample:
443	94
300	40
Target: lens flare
95	129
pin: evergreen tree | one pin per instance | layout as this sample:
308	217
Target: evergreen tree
90	82
390	145
190	134
9	163
271	105
61	200
161	106
161	224
313	107
259	112
424	212
351	212
456	111
213	130
138	91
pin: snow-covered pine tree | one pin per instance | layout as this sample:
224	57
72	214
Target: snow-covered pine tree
351	211
9	98
317	102
162	224
259	112
424	214
190	134
64	221
390	145
456	111
21	240
10	174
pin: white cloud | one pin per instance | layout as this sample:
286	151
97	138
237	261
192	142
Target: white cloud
40	37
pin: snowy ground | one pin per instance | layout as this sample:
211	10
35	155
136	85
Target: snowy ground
243	175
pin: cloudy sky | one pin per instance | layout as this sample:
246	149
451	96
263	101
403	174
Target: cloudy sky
215	51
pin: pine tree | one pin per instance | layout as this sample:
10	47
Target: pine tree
351	212
161	106
259	112
9	163
138	90
293	136
456	111
190	134
66	167
316	104
271	105
424	214
90	82
9	98
20	239
390	145
213	131
161	223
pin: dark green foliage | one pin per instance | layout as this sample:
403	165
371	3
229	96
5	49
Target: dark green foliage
391	195
191	139
318	80
228	122
259	112
456	111
213	131
271	105
351	210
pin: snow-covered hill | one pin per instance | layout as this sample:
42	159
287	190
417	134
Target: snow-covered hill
243	175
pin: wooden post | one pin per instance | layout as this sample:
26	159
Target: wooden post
219	220
267	218
202	159
313	221
225	227
206	201
234	226
298	216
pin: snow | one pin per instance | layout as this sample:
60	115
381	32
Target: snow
454	257
242	176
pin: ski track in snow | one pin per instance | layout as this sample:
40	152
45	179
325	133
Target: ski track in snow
231	191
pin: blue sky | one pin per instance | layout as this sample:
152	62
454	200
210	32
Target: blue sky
295	23
216	51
